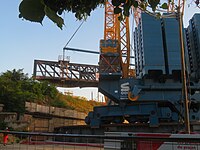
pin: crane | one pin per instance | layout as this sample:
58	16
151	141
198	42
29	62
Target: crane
117	39
154	95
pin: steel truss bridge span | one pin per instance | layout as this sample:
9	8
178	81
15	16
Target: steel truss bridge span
66	74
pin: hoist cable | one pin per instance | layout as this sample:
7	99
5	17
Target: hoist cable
74	34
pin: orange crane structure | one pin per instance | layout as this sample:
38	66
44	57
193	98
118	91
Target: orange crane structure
115	47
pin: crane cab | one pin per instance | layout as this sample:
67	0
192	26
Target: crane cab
109	46
109	61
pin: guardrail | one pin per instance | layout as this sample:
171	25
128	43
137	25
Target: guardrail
122	141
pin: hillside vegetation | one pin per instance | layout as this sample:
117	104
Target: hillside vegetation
80	104
16	88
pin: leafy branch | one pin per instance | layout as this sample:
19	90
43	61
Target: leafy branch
36	10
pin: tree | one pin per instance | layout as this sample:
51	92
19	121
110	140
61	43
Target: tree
11	94
36	10
16	88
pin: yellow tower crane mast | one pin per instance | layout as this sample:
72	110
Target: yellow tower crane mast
115	47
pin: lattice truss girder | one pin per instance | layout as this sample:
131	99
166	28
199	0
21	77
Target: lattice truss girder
67	71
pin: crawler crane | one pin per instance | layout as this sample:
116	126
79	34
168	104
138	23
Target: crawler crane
154	95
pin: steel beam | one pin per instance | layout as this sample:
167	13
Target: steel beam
65	74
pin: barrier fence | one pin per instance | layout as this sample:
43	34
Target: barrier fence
109	141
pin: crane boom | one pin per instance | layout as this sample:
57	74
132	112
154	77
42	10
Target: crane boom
111	23
124	40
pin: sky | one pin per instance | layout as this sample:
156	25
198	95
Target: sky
21	42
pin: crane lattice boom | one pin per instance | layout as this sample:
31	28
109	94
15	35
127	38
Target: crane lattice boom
115	45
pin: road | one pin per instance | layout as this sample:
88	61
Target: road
46	147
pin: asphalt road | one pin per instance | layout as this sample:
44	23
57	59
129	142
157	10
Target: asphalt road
46	147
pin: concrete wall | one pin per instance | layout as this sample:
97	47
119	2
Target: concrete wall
46	118
42	118
62	112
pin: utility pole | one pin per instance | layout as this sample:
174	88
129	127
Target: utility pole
183	73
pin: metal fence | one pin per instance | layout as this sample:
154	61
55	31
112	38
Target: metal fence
109	141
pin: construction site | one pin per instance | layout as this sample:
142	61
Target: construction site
152	87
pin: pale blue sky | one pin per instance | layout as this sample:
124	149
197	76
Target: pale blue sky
22	41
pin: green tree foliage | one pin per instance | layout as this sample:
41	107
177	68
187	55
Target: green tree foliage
36	10
16	88
11	94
